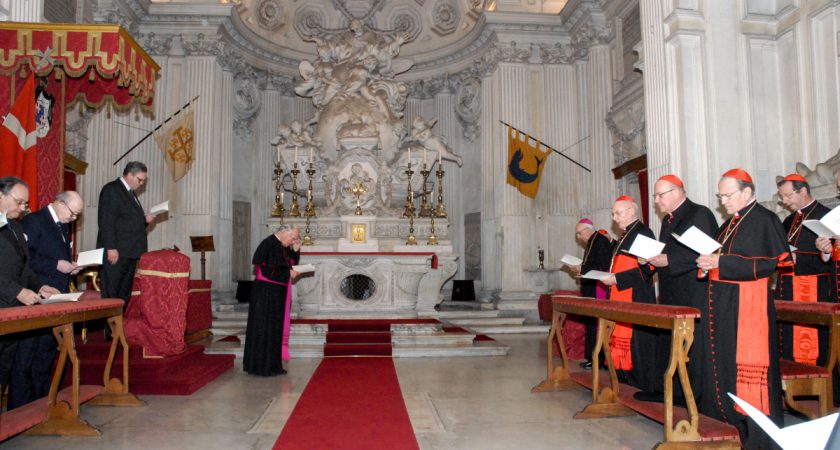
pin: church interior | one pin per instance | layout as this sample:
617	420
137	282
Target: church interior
384	132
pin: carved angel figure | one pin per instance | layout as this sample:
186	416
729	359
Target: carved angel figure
421	131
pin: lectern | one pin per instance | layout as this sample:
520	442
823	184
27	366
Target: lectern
202	244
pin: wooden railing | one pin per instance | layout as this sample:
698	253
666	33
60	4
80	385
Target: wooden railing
61	416
606	401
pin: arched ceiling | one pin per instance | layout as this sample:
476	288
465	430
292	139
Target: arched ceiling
438	27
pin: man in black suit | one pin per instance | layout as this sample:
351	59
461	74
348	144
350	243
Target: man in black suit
48	241
122	231
678	282
18	283
597	256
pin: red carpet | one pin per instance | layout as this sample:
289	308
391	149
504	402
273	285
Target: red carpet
350	403
174	375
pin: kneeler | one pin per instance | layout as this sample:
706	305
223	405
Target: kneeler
156	315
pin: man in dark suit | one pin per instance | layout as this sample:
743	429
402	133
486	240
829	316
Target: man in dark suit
122	231
18	283
597	256
678	282
48	241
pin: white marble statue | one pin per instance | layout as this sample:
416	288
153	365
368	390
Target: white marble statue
421	131
823	172
352	85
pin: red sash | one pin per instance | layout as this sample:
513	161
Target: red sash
752	354
805	339
621	337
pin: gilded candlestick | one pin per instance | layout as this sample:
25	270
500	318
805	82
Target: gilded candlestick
309	211
409	208
441	209
425	205
295	208
432	237
278	210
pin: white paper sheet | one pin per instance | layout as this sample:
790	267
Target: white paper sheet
570	260
160	208
828	226
698	241
813	434
645	247
71	297
3	220
91	258
596	275
304	268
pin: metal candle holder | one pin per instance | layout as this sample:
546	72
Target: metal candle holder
309	211
441	209
425	207
409	208
295	208
432	237
278	210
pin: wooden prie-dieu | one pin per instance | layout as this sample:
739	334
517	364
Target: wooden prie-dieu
683	427
59	415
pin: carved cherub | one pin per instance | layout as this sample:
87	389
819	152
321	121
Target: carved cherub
421	131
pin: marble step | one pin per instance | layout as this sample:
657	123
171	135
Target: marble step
485	321
511	329
453	314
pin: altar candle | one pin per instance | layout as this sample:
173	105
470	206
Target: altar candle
440	158
295	154
424	156
278	153
409	155
311	158
282	198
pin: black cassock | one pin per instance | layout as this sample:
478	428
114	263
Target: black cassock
630	275
680	286
742	339
267	307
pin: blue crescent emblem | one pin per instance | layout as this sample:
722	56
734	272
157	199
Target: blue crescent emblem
520	175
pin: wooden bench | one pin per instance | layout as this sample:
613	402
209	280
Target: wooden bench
805	379
683	427
60	413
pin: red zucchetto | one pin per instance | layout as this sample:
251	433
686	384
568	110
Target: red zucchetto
625	198
673	179
738	174
795	177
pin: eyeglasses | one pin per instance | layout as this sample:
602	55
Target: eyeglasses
140	180
725	197
662	194
619	211
73	214
19	202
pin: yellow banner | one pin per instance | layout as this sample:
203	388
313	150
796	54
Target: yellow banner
176	140
525	163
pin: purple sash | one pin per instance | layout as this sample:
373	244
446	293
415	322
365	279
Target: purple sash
286	320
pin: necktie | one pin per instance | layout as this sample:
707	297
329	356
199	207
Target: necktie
136	200
61	231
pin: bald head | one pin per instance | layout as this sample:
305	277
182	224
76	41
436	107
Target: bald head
68	206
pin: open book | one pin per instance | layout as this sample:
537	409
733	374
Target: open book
828	226
304	268
698	241
160	208
570	260
90	258
71	297
596	275
645	247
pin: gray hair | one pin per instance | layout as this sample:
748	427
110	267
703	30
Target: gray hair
9	183
284	228
134	167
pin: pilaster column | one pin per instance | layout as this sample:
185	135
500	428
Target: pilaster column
26	10
448	126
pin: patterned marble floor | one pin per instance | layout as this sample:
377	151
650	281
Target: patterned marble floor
454	403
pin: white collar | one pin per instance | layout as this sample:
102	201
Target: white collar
125	184
52	212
